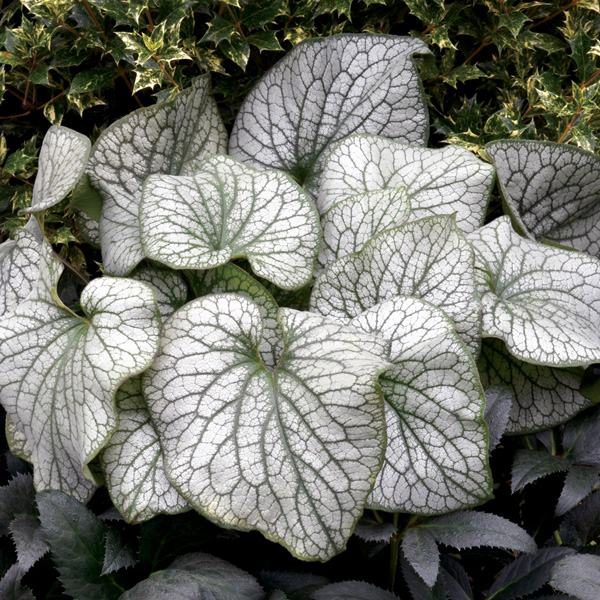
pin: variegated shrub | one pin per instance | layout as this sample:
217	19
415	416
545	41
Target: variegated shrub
185	378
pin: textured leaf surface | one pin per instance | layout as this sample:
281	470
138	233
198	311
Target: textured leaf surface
543	396
16	498
418	589
76	538
291	452
59	372
582	525
437	443
428	259
229	210
352	222
132	461
63	158
10	585
421	551
529	465
455	579
324	90
438	181
117	554
581	436
197	576
19	269
470	529
579	482
578	575
166	138
370	531
543	302
498	403
352	590
552	190
29	540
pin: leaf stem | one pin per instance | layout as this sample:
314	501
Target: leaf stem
555	14
484	44
569	125
150	21
394	547
164	70
92	14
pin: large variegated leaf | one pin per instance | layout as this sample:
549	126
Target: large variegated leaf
166	138
292	452
349	224
59	372
551	190
63	158
428	259
543	396
543	302
438	181
229	210
324	90
436	459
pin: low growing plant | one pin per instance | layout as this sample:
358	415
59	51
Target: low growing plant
187	378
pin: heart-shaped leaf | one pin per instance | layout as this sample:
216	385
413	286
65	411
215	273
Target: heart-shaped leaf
59	371
443	181
436	459
551	190
324	90
428	259
173	138
543	302
229	210
63	158
293	451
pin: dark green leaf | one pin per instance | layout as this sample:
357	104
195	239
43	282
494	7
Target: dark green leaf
421	551
580	438
92	80
258	13
580	482
10	585
16	498
498	402
352	590
219	30
29	540
578	575
86	199
581	525
418	589
370	531
237	50
118	554
265	40
581	44
529	465
456	580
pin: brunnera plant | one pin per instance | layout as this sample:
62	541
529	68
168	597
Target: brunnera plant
180	382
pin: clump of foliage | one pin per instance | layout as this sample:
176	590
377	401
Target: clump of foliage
189	374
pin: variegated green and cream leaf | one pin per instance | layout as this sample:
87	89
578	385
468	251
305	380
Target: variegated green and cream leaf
543	396
62	161
173	138
349	224
543	302
551	190
428	259
230	210
59	372
443	181
324	90
291	451
436	460
132	461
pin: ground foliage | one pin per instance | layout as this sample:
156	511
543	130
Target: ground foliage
523	70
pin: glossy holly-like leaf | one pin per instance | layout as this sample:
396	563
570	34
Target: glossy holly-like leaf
498	403
59	371
132	461
543	302
421	551
449	180
529	465
325	89
351	223
291	451
352	590
579	575
172	138
63	158
19	269
428	259
543	396
551	190
197	576
436	459
229	210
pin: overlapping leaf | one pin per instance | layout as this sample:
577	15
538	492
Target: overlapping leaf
59	371
543	302
551	190
428	259
324	90
438	181
293	451
166	138
437	443
229	210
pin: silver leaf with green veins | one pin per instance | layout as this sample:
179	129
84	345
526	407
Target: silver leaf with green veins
293	451
166	138
551	190
59	372
543	302
229	210
324	90
437	442
428	259
438	181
